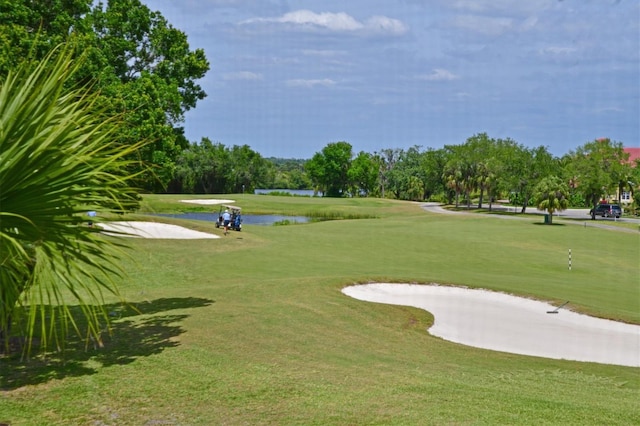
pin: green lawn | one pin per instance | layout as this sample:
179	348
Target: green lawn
253	329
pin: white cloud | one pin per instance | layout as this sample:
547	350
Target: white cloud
438	74
242	75
309	84
383	24
335	22
331	21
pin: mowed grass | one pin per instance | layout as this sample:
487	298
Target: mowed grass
253	329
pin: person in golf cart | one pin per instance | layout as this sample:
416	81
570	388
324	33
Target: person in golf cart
229	217
226	219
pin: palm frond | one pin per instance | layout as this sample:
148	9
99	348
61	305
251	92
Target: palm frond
58	160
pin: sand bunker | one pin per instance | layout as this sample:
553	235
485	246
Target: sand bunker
501	322
161	230
153	230
208	201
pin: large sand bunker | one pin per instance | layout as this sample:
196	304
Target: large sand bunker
501	322
153	230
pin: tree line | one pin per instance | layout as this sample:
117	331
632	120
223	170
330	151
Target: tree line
482	169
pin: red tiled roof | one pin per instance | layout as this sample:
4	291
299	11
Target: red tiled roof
634	153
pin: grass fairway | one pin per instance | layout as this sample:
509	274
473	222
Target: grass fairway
253	329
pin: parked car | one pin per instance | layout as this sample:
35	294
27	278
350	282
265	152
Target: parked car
606	210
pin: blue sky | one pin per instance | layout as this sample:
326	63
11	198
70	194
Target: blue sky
290	76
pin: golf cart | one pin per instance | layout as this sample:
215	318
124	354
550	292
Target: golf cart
236	217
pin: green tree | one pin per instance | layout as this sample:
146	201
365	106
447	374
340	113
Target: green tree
479	156
329	168
287	173
58	160
524	168
247	170
212	168
407	178
454	182
142	67
363	174
459	171
597	168
634	184
432	163
203	168
386	159
31	29
551	194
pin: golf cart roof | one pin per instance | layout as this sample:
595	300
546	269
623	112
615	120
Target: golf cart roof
231	207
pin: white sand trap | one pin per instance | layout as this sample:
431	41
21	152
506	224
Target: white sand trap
154	230
208	201
501	322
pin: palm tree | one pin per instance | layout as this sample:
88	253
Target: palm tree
58	161
551	194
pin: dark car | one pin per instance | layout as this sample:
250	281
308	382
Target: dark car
606	210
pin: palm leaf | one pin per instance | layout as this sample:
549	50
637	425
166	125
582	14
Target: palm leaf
58	160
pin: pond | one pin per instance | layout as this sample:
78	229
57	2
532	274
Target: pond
247	219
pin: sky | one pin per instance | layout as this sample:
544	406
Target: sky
289	77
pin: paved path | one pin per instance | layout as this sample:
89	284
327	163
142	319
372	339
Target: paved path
566	214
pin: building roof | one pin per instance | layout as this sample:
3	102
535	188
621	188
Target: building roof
634	153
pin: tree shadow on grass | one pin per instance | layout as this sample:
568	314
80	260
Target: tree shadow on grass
140	332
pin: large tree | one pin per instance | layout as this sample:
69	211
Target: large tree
329	169
432	162
551	194
58	161
459	171
363	174
408	178
597	168
523	169
142	67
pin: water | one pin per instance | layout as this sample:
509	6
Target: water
247	219
299	192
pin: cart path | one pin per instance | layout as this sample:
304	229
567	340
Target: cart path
437	208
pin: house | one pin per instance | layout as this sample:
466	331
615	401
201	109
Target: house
625	197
